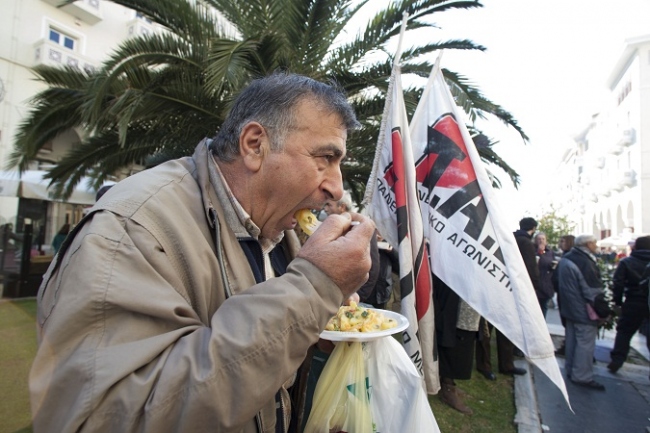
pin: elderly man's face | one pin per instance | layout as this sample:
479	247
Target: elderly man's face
593	246
306	174
333	207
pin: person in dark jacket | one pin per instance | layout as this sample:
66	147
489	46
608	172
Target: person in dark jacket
545	264
566	243
387	263
505	349
60	237
456	327
523	236
632	296
580	284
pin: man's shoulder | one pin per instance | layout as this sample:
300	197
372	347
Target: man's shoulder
567	262
167	183
524	243
639	256
627	260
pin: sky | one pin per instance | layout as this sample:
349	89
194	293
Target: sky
547	63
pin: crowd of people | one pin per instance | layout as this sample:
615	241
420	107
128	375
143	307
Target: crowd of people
571	275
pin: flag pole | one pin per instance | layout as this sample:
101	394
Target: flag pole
391	200
398	52
370	185
427	88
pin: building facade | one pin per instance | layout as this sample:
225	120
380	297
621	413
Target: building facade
607	173
38	32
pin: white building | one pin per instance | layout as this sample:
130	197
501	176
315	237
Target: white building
607	174
37	32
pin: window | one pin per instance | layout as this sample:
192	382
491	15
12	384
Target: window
139	16
62	39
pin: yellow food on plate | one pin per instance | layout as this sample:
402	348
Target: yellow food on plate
307	221
353	318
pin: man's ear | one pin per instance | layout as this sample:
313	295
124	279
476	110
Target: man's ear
253	141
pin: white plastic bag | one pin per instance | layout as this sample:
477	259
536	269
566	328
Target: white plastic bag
398	401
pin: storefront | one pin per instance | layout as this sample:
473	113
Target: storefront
26	238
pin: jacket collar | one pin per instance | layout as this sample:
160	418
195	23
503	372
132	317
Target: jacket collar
641	254
235	216
523	233
586	251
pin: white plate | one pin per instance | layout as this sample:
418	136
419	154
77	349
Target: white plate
402	324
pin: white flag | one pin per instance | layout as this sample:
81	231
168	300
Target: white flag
471	250
392	203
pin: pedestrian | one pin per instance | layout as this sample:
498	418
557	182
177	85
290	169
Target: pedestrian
60	237
545	264
527	249
183	302
11	245
631	296
505	353
566	243
380	293
456	326
339	206
581	289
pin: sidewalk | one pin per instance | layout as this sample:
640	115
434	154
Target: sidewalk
623	406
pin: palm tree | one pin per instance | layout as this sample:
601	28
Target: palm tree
158	95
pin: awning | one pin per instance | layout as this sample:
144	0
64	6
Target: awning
613	241
32	185
620	241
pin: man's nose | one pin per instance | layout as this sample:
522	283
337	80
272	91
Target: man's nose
332	185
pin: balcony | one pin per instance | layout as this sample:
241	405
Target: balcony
138	27
616	149
627	138
88	11
629	178
48	53
599	162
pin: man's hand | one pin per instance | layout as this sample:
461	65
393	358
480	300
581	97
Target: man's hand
342	250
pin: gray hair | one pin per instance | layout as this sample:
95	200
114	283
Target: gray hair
346	200
271	101
583	240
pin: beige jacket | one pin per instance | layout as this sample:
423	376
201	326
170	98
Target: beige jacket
136	329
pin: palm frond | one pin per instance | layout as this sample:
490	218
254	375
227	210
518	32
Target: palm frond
475	104
484	146
185	19
157	95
